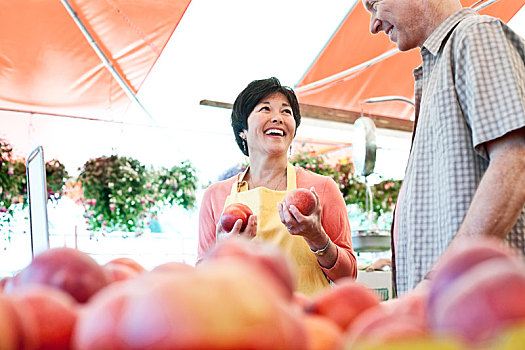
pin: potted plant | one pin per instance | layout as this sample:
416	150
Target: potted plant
121	194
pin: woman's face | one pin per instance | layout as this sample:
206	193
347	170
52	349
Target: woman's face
271	126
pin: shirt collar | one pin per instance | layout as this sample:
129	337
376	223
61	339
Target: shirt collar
440	35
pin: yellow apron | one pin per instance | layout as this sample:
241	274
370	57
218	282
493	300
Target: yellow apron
263	203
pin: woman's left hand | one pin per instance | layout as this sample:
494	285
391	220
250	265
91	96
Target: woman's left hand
309	226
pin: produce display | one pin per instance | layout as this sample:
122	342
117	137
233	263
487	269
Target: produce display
241	296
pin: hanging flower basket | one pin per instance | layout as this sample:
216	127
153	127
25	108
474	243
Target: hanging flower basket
121	194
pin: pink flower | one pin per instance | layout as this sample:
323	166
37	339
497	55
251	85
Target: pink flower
112	207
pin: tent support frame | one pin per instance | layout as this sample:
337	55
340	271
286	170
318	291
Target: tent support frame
107	63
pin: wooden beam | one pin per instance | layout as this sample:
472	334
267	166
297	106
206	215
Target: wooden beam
335	115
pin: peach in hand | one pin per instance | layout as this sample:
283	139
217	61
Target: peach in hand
234	212
302	199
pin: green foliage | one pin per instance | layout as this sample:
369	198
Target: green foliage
12	178
115	192
352	187
13	183
174	186
56	176
120	194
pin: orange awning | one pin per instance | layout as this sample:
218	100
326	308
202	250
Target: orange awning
48	66
352	45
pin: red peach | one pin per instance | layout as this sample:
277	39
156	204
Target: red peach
464	254
265	257
11	336
119	272
483	301
3	282
382	324
344	302
47	316
234	212
322	333
127	262
302	199
224	305
173	267
67	269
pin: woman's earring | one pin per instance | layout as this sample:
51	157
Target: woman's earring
244	145
290	152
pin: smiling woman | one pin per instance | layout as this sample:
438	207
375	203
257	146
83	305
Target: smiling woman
265	118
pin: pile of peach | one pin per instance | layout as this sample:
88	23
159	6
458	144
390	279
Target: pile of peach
242	297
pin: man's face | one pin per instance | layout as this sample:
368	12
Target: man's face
404	21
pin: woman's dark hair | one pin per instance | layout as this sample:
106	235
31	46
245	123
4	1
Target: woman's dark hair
254	93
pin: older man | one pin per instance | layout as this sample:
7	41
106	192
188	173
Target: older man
466	171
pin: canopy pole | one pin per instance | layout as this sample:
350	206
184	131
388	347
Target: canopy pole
340	75
482	6
94	45
347	72
389	98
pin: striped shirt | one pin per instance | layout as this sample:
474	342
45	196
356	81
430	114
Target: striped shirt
469	89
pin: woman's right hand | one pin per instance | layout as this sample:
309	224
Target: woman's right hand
249	232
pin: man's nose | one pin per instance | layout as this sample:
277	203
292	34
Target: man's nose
375	25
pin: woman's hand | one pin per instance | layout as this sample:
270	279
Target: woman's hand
309	226
249	232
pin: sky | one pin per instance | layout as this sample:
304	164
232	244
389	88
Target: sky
216	50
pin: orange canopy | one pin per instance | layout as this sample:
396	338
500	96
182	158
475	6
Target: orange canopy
47	64
352	45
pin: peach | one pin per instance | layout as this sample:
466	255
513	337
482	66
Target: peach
382	324
463	255
127	262
344	302
484	300
10	328
322	333
3	282
302	199
119	272
67	269
268	259
234	212
47	317
301	300
173	267
224	305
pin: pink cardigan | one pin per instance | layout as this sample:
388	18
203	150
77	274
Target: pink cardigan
334	218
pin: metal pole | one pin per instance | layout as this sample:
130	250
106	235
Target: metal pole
371	62
94	45
389	98
347	72
481	7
